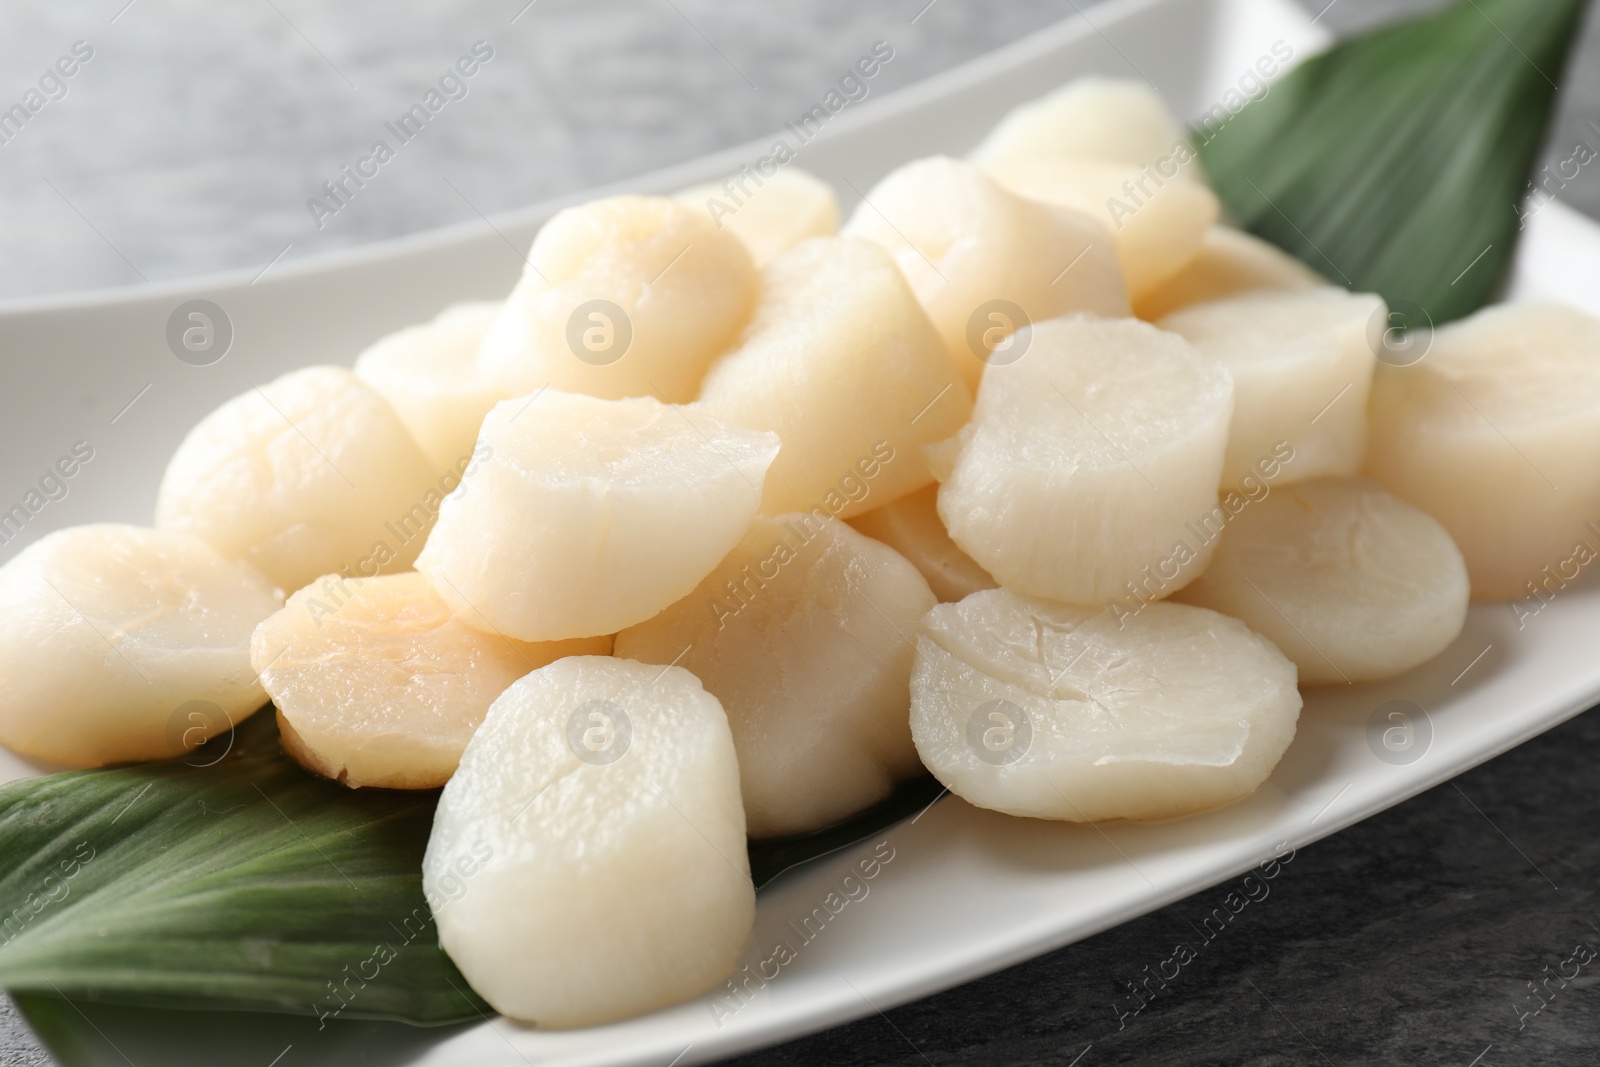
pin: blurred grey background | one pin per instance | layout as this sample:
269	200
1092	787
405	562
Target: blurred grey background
191	140
193	137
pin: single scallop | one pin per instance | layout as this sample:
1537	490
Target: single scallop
1353	584
121	643
587	861
842	363
1230	262
984	261
1053	711
1302	369
912	527
1117	120
1158	219
591	515
625	296
428	374
377	683
307	475
1088	459
1494	432
770	214
804	633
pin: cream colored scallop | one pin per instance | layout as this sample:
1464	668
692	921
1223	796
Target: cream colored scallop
1302	368
1494	433
1052	711
1230	262
844	366
301	477
976	254
428	374
1087	458
1158	219
1353	584
803	633
769	214
625	296
587	861
377	683
122	643
591	515
912	527
1117	120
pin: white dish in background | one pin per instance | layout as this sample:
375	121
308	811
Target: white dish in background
967	891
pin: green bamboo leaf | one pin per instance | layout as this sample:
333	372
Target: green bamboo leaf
772	857
234	880
1397	162
224	881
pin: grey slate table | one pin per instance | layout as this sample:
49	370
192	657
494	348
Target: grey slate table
190	141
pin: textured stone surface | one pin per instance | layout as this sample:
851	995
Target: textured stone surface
190	142
193	138
17	1047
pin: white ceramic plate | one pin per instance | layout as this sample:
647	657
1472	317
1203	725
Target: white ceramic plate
966	891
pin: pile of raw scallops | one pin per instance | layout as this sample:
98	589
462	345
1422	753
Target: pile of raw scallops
727	520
